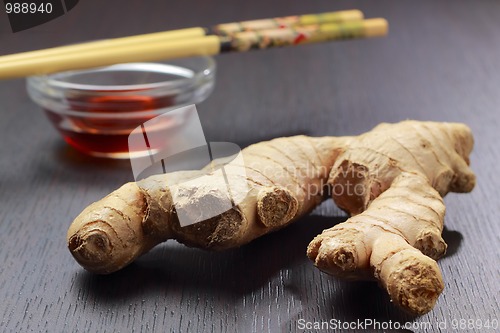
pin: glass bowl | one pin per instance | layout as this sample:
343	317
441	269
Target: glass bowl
95	110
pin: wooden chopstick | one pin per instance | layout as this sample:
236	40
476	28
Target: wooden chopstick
197	46
224	29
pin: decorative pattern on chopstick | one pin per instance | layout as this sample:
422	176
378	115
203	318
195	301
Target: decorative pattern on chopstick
264	39
229	29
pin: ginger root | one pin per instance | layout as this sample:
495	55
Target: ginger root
401	172
285	176
390	180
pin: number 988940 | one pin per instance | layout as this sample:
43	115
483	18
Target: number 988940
28	8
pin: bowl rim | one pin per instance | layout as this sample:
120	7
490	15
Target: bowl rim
49	92
53	80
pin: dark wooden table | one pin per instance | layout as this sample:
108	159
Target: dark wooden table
441	62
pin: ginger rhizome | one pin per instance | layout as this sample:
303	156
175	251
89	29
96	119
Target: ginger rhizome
391	180
114	231
394	233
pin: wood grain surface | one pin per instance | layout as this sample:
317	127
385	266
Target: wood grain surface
440	62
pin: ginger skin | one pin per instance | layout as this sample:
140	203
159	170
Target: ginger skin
394	233
397	174
114	231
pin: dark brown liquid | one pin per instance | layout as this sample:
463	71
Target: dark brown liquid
104	135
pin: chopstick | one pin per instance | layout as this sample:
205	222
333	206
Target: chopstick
224	29
196	46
